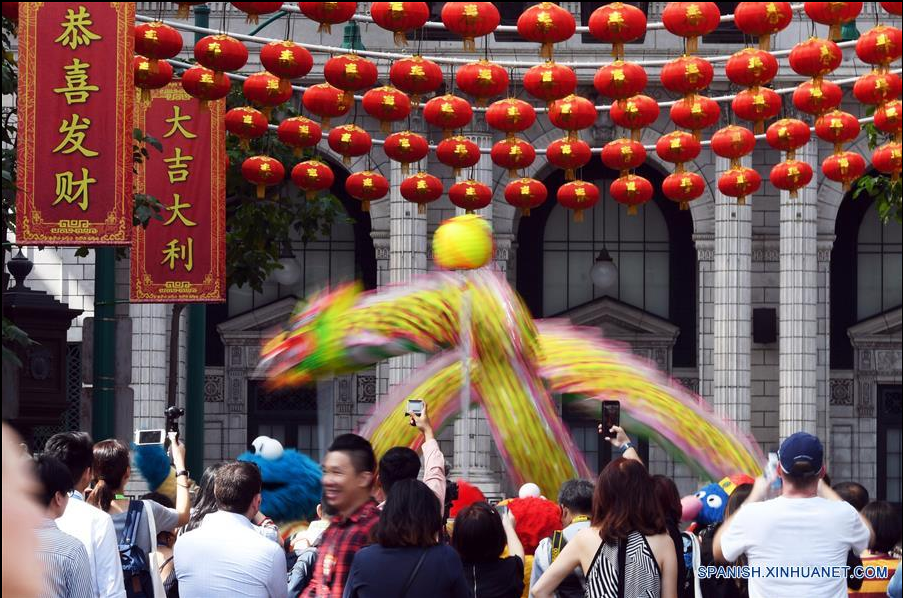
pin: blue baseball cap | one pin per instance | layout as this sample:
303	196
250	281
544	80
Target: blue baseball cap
801	453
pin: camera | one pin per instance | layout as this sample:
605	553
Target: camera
173	414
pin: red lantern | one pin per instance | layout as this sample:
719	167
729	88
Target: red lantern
205	85
421	189
221	53
568	155
406	147
695	113
838	127
620	80
634	113
548	24
400	17
757	104
751	67
514	154
526	194
687	75
762	19
894	8
470	195
833	14
623	155
877	87
328	14
416	76
888	159
298	133
739	182
366	186
733	142
447	112
880	45
511	116
286	59
386	104
550	81
312	176
246	123
572	113
691	20
470	20
678	147
683	187
267	90
255	9
350	72
817	97
791	175
888	118
844	167
578	196
151	74
263	172
181	12
11	11
482	80
631	191
815	57
458	152
349	141
617	24
326	101
156	41
788	134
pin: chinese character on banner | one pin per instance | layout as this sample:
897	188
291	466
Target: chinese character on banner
75	133
182	257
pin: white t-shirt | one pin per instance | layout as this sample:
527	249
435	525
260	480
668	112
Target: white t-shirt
95	530
808	533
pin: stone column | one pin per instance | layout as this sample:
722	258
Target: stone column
705	256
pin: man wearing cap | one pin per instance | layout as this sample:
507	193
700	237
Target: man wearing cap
794	543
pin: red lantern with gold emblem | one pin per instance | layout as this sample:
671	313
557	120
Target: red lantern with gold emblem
788	134
687	75
458	152
751	67
470	20
448	112
263	172
205	85
837	127
246	123
877	87
631	190
255	9
406	147
572	113
513	154
526	194
312	176
550	81
739	182
894	8
220	53
267	90
299	132
695	113
578	196
691	20
350	72
833	14
623	155
350	141
470	195
762	19
421	189
817	97
683	187
286	59
815	57
843	167
733	142
156	40
634	113
328	14
386	104
400	17
617	24
366	186
326	101
888	118
548	24
151	74
416	76
888	159
568	155
757	104
482	80
880	45
678	147
791	175
620	80
511	116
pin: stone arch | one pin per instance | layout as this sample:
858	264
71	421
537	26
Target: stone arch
831	193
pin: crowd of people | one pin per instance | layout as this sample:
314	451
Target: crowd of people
382	532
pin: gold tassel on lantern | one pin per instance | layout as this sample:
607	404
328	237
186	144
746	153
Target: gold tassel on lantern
296	152
182	12
765	42
405	168
203	105
512	173
546	50
346	160
692	45
735	162
324	28
569	174
741	200
759	127
578	216
365	205
838	148
401	40
684	206
631	210
245	144
385	126
794	194
253	19
326	122
470	45
525	211
617	50
310	194
421	208
456	172
261	190
145	96
636	134
791	154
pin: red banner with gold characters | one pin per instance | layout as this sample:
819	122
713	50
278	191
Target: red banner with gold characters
75	123
182	258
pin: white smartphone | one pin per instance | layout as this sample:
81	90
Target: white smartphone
143	437
415	407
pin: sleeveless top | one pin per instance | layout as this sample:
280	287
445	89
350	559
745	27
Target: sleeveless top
642	577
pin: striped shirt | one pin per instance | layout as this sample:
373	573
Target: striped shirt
67	572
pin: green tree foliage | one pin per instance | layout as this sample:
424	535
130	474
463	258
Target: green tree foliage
887	193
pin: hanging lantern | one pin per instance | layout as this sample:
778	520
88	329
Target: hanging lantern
406	148
631	191
416	76
762	19
513	154
888	159
350	72
447	112
815	57
482	80
572	114
205	85
683	187
788	135
350	141
470	195
263	172
833	14
880	45
156	40
526	194
181	12
299	132
620	80
421	189
578	196
817	97
687	75
220	53
791	175
757	104
312	176
838	127
255	9
623	155
751	67
634	113
877	88
286	59
246	123
695	113
267	91
550	81
678	147
568	155
150	74
386	104
328	14
888	119
327	102
691	20
733	142
548	24
400	17
843	167
510	116
458	152
739	182
366	186
617	24
470	20
894	8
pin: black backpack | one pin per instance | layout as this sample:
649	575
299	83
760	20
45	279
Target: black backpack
135	565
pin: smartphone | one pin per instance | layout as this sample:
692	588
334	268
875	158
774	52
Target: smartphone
143	437
611	415
415	407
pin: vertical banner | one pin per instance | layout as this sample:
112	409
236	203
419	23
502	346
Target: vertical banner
75	123
182	258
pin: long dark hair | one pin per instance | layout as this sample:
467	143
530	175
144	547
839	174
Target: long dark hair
111	461
205	501
668	498
410	517
625	501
